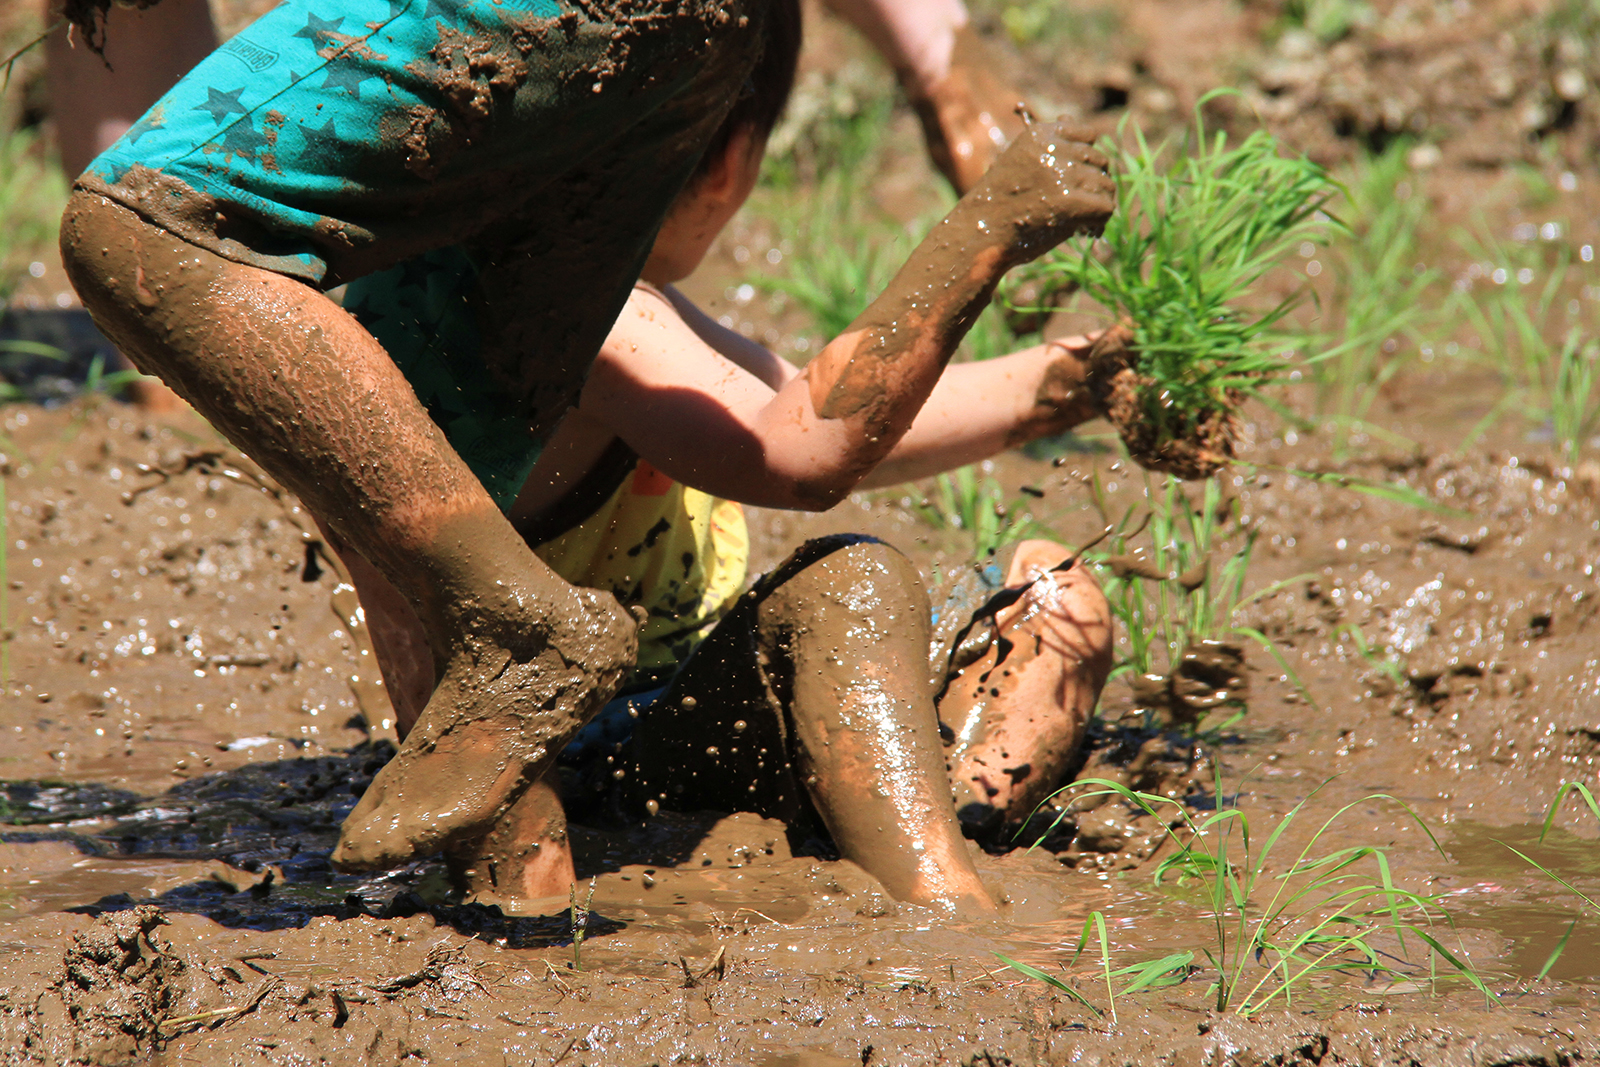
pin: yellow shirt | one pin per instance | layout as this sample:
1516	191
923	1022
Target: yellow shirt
680	553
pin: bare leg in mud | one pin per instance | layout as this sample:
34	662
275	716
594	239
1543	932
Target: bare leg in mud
526	854
810	703
310	396
1019	711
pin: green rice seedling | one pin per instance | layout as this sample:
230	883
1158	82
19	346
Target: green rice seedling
1176	268
1327	20
842	260
965	500
845	247
1384	662
1277	926
1573	403
1160	576
1380	300
580	922
33	193
1152	974
1512	300
1588	798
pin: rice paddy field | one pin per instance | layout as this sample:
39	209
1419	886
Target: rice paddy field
1339	805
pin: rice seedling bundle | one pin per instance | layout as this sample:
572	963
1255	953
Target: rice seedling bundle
1177	265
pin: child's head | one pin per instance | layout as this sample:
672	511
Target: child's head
732	161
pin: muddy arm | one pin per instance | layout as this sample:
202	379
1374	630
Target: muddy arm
860	395
760	433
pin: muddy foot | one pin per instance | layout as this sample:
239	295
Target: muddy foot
969	116
525	859
503	709
1051	184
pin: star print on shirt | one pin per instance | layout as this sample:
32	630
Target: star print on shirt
416	272
221	104
316	28
321	143
346	76
243	140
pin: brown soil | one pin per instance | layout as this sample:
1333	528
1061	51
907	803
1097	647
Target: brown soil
189	711
1120	394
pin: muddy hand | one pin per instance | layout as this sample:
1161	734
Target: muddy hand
520	679
1048	186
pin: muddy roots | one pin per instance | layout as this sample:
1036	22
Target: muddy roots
88	17
1120	390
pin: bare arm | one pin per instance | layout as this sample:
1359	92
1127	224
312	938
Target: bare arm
747	431
980	409
667	383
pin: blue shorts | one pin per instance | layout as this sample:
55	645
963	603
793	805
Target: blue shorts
333	138
495	170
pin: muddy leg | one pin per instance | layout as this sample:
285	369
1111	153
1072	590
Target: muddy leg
398	640
527	854
525	659
855	626
1020	710
811	701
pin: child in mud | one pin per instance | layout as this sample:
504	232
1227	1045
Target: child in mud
538	144
807	698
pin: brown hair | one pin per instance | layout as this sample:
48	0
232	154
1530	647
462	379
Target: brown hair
766	91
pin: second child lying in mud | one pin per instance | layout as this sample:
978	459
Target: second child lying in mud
807	698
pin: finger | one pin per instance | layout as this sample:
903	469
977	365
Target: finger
1092	156
1071	131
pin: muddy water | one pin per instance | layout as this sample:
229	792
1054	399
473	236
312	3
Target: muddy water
184	730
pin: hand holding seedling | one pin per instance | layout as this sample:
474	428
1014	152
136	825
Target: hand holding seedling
866	386
1197	228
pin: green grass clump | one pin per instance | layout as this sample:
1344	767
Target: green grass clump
1516	302
33	193
1180	259
1171	583
964	500
1279	927
1383	299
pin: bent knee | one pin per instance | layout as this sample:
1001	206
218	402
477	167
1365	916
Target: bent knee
852	572
89	226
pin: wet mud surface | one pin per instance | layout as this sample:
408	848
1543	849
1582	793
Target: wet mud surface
190	709
204	768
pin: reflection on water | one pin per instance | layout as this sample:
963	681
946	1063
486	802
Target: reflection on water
1499	891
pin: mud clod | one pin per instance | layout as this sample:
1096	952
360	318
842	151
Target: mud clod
1121	394
118	985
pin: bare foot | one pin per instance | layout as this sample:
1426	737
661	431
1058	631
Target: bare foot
968	116
525	858
521	676
1019	711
